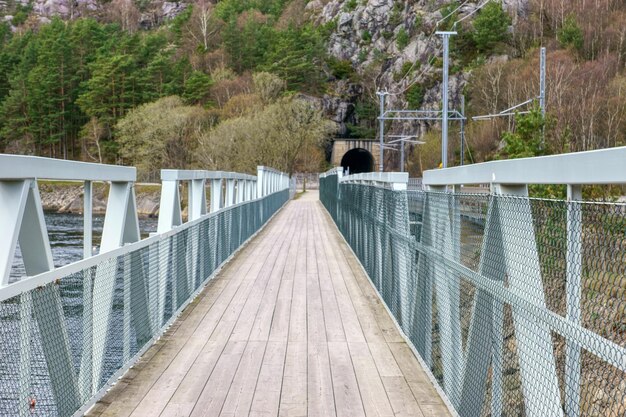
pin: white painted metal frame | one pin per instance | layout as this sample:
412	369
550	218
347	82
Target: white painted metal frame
512	177
395	180
604	166
22	220
504	277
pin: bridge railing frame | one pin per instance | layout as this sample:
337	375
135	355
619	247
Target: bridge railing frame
247	203
465	368
512	178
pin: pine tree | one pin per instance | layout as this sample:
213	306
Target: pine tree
491	26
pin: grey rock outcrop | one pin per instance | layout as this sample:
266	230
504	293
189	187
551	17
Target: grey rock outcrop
367	34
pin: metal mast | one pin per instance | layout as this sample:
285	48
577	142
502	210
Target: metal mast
462	129
542	82
381	96
444	97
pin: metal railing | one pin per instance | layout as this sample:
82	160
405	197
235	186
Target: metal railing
68	333
516	305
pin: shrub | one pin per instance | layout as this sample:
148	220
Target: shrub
402	40
341	69
415	96
419	20
571	34
491	26
407	67
350	5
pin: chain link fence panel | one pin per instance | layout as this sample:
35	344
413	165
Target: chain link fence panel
63	343
516	305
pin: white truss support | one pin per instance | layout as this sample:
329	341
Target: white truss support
13	195
216	194
424	310
540	384
268	183
33	235
191	253
22	219
484	341
197	209
85	374
573	293
26	324
87	219
402	257
260	182
197	200
48	311
121	226
230	192
140	305
169	209
154	284
126	328
170	216
47	307
241	188
447	294
378	236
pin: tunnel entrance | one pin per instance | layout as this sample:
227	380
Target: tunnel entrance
357	160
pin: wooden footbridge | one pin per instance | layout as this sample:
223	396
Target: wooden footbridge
370	299
290	327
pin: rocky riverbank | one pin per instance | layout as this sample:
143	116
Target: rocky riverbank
67	197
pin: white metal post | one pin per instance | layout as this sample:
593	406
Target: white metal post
241	191
197	199
169	207
86	371
444	95
87	219
381	129
462	158
249	192
230	192
260	180
121	226
542	82
274	181
13	196
216	195
573	294
270	180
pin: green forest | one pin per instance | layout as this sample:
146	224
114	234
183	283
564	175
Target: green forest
197	89
66	86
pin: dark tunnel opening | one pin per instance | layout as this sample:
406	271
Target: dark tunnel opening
357	160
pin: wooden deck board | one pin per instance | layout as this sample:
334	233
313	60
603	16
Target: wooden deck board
290	327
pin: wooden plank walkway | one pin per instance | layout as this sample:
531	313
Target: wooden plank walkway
290	327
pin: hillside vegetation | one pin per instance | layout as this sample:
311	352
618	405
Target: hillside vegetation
237	83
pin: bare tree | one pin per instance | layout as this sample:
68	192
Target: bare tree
202	29
125	13
91	135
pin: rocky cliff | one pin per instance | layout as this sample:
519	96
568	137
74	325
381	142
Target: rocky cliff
392	46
